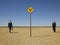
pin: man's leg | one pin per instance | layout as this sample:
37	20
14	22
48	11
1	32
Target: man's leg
9	30
54	30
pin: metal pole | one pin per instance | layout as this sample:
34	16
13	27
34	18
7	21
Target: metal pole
30	26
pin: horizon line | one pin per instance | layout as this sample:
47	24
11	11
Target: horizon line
28	26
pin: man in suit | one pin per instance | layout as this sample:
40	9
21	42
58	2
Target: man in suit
54	26
10	26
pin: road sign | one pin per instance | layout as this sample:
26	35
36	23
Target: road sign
30	9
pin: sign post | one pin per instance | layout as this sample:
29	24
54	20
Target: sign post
30	10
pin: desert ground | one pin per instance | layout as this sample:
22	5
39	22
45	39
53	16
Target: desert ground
21	36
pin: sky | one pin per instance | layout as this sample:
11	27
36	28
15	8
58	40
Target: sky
45	12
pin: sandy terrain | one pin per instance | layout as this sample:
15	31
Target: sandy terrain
21	36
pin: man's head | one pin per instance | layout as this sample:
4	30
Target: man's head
54	20
10	20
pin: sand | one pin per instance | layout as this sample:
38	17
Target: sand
21	36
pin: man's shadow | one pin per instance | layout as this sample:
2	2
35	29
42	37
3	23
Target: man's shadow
14	32
57	31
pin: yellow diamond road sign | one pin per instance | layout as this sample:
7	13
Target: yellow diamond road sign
30	9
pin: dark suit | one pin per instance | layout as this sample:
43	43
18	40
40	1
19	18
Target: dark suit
54	26
10	26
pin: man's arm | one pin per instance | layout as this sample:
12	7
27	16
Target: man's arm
12	26
55	24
